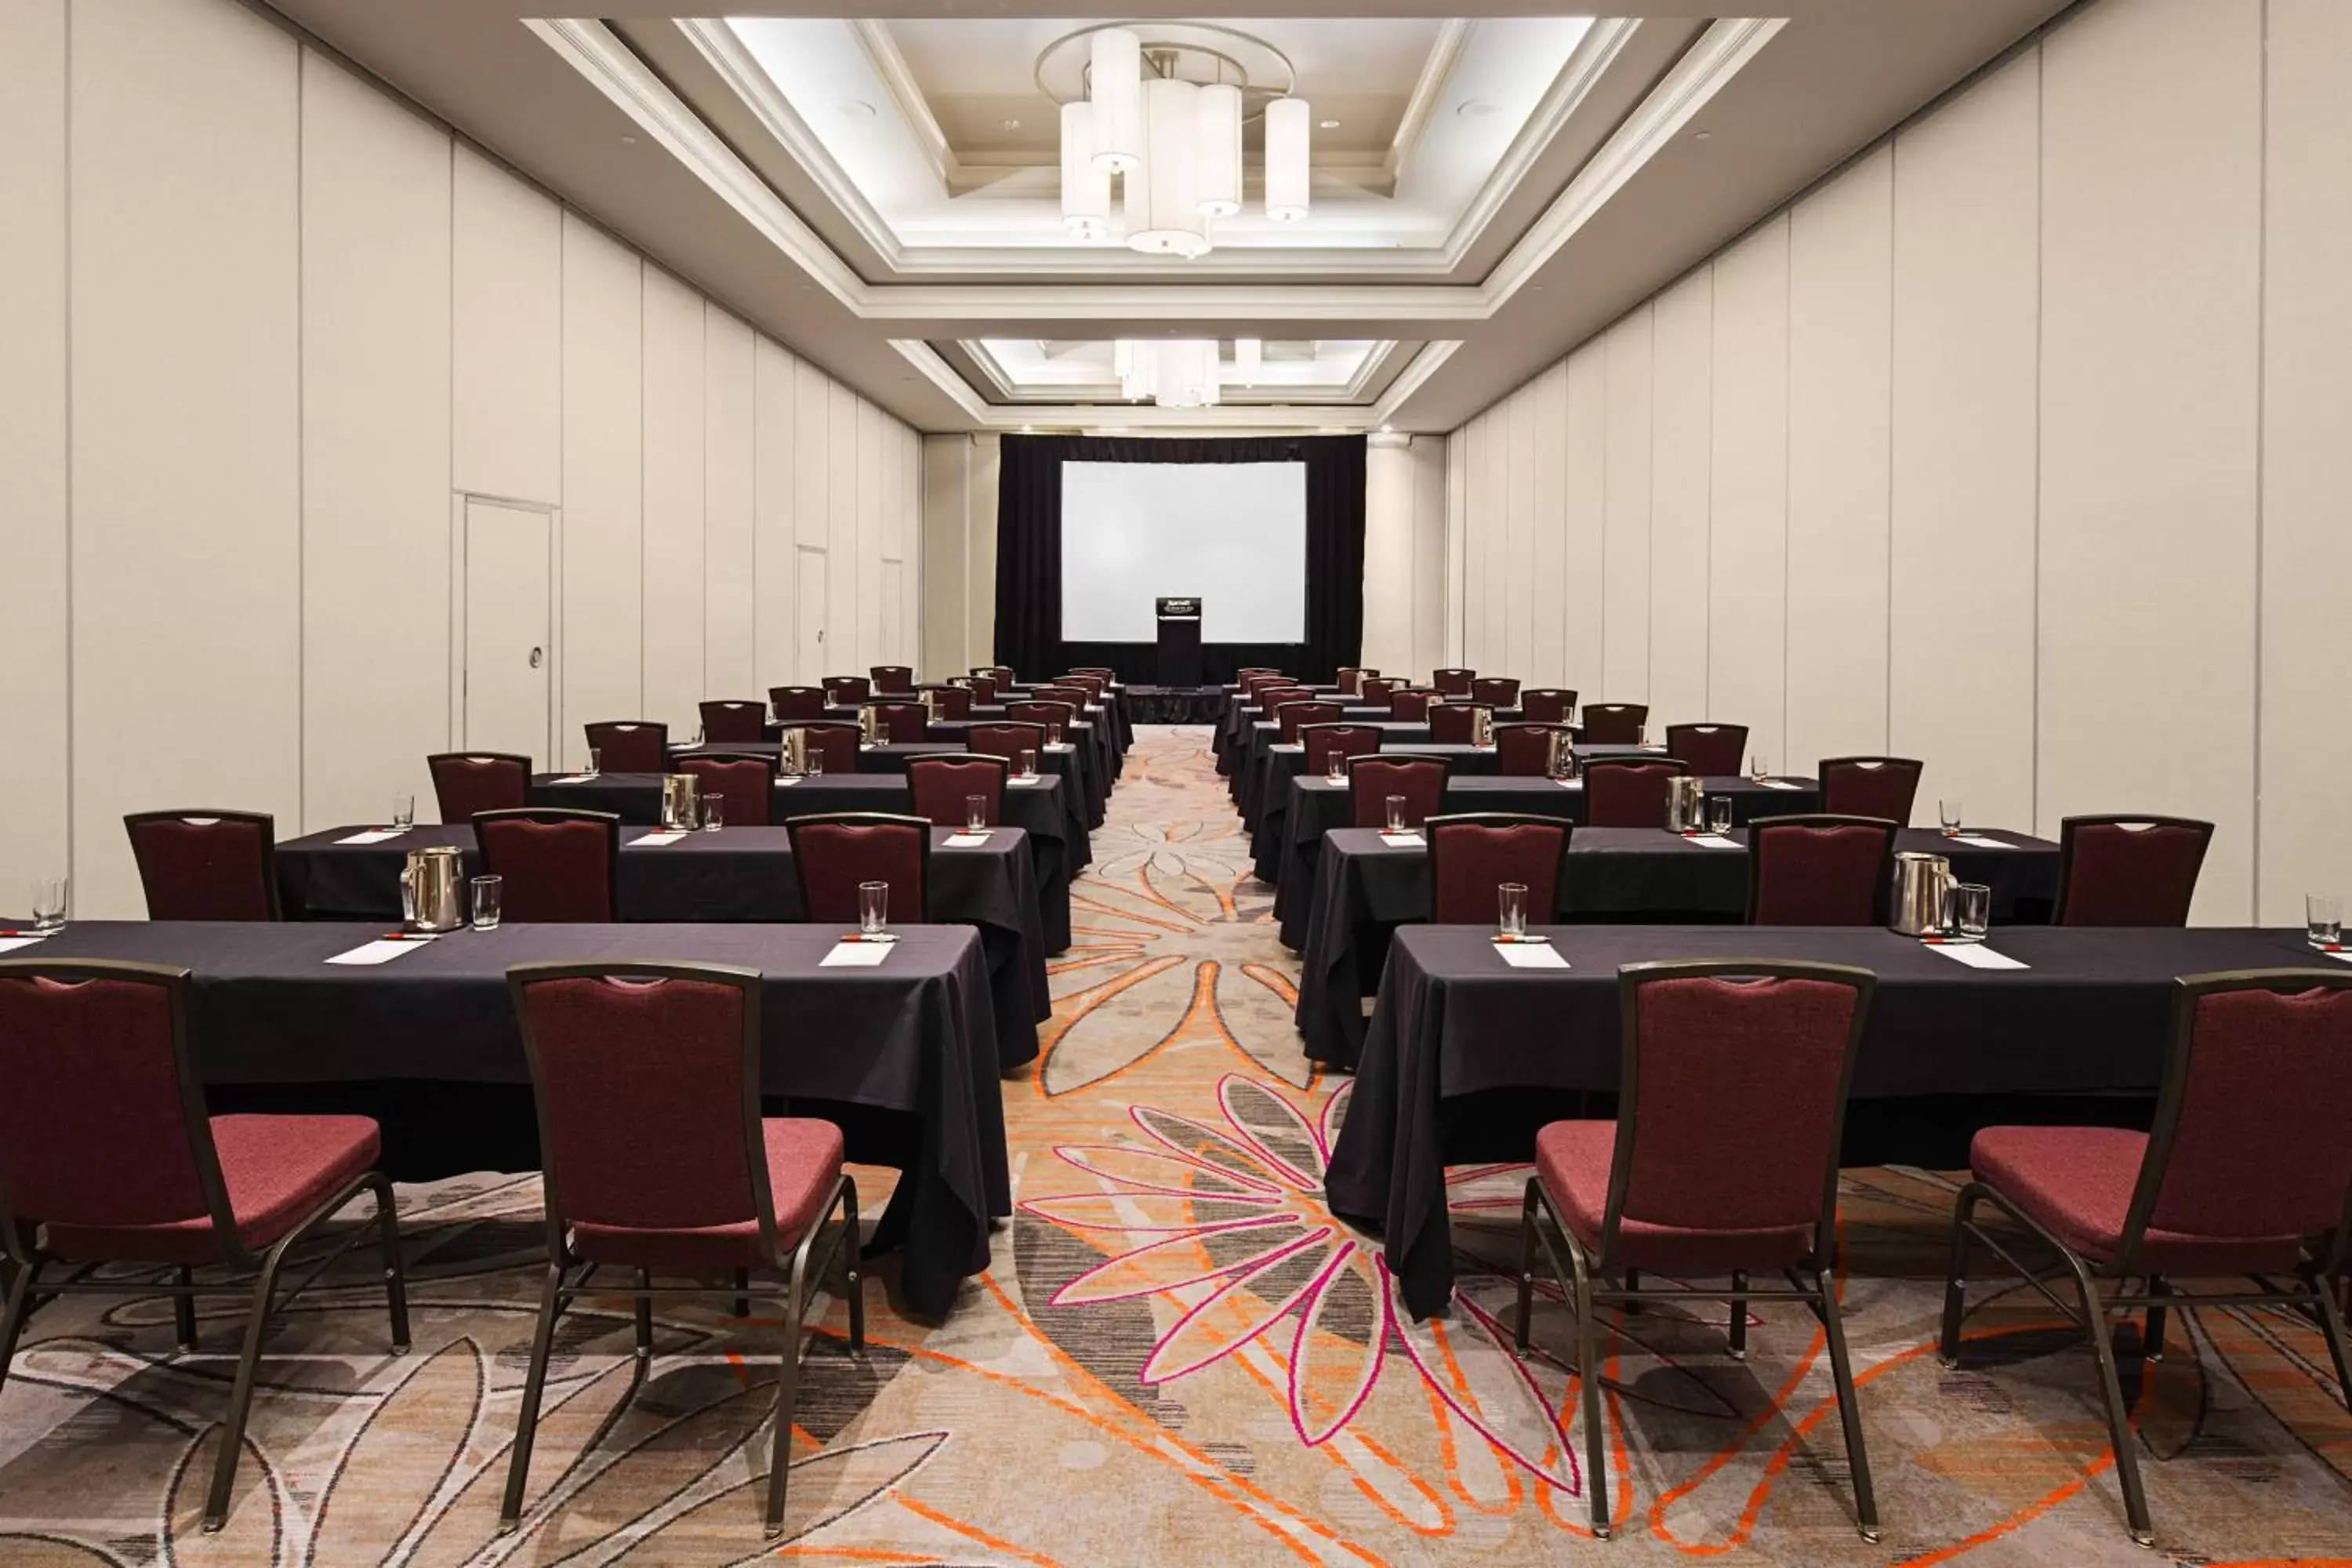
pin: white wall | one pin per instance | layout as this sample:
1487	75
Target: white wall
230	586
1405	553
2016	446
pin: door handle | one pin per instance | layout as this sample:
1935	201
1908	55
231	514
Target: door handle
535	654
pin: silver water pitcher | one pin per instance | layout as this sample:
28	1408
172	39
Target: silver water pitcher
1686	804
793	754
869	727
930	707
1482	727
431	890
1922	895
1560	755
681	803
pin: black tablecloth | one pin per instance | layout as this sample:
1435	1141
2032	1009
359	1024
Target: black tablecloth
1174	705
1239	714
1259	735
1056	849
739	874
2091	1015
910	1037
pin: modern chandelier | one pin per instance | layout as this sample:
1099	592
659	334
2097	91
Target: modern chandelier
1182	373
1160	108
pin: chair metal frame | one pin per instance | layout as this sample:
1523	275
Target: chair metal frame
770	764
1350	726
2089	1313
568	1277
847	690
263	820
777	693
1568	705
794	825
1500	819
1539	727
1038	745
1457	705
882	709
1707	726
1636	714
1443	681
874	673
26	1293
1003	765
1883	881
1810	1280
434	772
824	727
1588	766
1822	775
2069	827
731	706
1446	777
555	816
661	736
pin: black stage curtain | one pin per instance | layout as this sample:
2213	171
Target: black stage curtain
1029	553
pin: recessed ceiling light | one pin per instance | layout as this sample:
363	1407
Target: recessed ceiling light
1701	135
1010	124
1476	107
857	108
1328	124
628	141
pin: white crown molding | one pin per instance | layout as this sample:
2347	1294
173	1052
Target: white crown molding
1587	63
1428	87
890	65
1409	379
1007	388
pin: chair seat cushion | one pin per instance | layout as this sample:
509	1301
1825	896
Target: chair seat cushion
2076	1184
277	1170
1572	1161
803	1162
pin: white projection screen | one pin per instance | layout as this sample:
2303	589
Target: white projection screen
1232	534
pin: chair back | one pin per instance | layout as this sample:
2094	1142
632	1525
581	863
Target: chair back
1731	1099
745	786
1000	673
1101	672
895	679
1455	723
2248	1144
1524	751
1378	689
847	690
1350	679
2128	870
833	852
1094	686
1077	696
1323	742
555	865
900	723
730	721
1820	870
940	785
1412	705
1291	716
1628	792
206	865
630	745
1547	705
1452	682
1869	786
836	741
1713	751
1473	853
1007	740
647	1082
467	782
1372	779
790	702
1614	724
983	691
103	1125
953	703
1494	690
1049	716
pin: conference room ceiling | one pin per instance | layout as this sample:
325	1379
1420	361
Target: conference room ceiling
880	192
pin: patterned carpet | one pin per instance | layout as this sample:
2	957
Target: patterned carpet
1178	1357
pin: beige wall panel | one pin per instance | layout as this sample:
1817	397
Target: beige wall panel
1520	561
947	539
1389	553
1681	499
1548	550
1584	503
604	485
729	492
1432	485
675	464
845	575
1622	596
784	461
507	339
1747	553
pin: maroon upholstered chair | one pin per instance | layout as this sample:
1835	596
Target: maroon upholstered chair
952	702
1350	679
1473	853
847	690
1055	718
1722	1161
1614	724
659	1161
555	865
206	865
467	782
1094	686
630	745
1324	741
1452	682
1379	689
1869	786
1412	705
1524	751
893	679
106	1154
1100	671
1077	696
1713	751
1291	716
1454	723
790	702
1495	691
1007	740
2128	870
1000	673
983	691
1628	792
1547	705
900	723
727	721
941	786
1372	779
834	851
2246	1163
835	740
1820	870
745	786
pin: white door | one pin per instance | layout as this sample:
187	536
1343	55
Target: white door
811	620
508	662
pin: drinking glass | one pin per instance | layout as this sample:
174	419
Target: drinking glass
975	813
873	907
714	813
1054	733
1718	812
595	762
50	903
1641	734
486	890
1512	916
1396	814
1335	767
1028	769
1971	911
404	811
1760	766
2322	916
1947	812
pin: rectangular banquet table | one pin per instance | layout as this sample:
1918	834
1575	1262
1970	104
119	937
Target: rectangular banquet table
737	874
1260	735
1239	713
1067	764
910	1040
1036	808
2091	1015
1277	764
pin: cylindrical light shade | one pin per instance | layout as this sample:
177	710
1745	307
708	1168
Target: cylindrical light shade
1285	159
1187	373
1115	85
1220	154
1169	210
1248	354
1085	189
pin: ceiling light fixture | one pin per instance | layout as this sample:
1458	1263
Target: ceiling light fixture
1285	159
1249	357
1086	184
1172	372
1327	125
857	108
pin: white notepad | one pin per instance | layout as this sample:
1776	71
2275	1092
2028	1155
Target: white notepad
854	955
1029	782
373	835
1530	955
1404	840
381	950
789	778
1779	784
656	840
2338	957
1570	784
1065	746
11	943
576	778
1710	841
1975	954
966	840
1978	841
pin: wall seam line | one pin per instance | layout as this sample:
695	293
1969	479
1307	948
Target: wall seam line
302	452
2261	425
65	182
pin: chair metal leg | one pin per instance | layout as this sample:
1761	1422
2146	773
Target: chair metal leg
780	1461
1587	1370
240	1399
1632	1282
2151	1338
742	1292
1956	1274
1738	1315
644	1314
183	1311
1526	1264
855	1283
2111	1388
395	1277
2331	1329
542	1341
1866	1500
13	1316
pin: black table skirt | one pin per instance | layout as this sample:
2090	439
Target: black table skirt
1174	705
902	1055
1259	735
739	873
1454	1023
1238	715
1038	810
